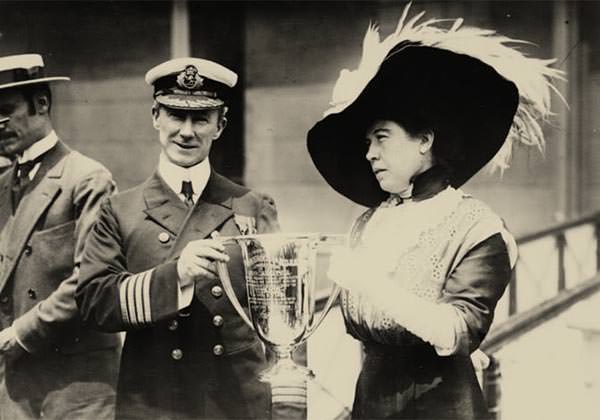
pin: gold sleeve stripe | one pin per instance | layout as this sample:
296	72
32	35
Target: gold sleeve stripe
146	296
138	302
123	300
134	294
131	300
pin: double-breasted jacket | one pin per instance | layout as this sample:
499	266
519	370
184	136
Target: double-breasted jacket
198	362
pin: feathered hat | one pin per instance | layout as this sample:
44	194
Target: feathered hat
478	94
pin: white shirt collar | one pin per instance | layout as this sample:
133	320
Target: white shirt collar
39	147
174	175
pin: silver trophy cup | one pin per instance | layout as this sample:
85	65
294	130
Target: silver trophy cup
280	284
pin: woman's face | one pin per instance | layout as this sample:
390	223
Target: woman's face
395	155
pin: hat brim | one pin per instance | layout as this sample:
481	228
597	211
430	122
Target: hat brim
35	81
465	100
189	102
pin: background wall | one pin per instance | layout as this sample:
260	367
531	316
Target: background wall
288	55
294	54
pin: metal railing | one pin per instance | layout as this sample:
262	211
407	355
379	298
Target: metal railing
558	233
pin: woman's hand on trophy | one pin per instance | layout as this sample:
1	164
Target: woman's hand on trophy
345	269
358	269
197	260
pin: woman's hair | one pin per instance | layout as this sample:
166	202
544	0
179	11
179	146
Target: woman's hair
417	118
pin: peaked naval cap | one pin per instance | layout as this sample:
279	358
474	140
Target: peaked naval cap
476	93
191	83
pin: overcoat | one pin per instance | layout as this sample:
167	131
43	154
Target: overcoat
41	249
202	361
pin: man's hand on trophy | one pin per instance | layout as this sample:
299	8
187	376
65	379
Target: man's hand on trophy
197	260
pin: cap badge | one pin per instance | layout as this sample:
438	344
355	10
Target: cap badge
189	78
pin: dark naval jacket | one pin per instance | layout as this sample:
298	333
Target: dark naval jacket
202	361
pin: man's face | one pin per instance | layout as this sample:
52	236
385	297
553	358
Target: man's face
23	128
186	136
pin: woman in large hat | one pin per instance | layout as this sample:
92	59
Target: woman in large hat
426	109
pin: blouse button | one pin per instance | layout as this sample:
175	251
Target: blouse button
177	354
173	325
163	237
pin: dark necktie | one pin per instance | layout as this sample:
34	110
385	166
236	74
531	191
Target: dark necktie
21	178
188	193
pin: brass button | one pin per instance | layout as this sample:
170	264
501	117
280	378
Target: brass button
28	250
216	291
218	320
177	354
173	325
31	293
164	237
218	350
185	312
3	299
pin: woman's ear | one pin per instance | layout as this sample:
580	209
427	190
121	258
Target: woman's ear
427	138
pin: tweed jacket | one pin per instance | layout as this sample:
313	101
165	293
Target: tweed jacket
39	272
202	361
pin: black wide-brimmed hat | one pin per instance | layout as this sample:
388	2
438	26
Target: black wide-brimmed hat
476	94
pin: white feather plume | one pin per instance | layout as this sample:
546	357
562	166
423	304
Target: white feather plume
533	77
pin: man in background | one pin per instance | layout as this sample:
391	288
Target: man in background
52	367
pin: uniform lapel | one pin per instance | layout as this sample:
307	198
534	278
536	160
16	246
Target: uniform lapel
5	197
41	193
163	206
210	212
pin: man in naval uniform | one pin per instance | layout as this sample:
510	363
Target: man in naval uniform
149	264
50	366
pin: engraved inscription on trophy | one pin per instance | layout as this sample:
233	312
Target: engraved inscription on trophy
275	293
280	283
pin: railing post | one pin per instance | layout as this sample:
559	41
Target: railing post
597	232
492	387
512	293
561	242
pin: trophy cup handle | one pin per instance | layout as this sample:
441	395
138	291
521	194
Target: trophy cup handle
226	281
335	291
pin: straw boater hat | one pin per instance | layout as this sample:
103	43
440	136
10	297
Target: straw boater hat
477	94
24	69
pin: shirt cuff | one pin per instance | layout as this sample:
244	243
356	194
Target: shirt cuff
185	294
460	327
18	340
